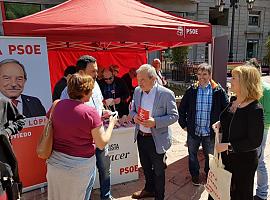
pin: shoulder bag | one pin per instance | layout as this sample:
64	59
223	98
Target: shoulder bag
45	144
218	180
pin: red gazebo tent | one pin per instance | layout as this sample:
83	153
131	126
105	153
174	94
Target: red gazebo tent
107	26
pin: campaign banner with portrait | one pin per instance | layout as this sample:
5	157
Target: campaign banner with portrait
25	81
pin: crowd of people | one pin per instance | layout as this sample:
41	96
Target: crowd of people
90	95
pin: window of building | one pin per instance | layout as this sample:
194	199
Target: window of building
252	48
218	18
254	18
18	10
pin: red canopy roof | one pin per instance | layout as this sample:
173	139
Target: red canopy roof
109	25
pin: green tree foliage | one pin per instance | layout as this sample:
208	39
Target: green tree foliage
18	10
179	54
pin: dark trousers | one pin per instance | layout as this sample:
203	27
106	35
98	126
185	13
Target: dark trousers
193	148
153	165
242	166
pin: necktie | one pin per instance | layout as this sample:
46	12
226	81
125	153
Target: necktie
15	102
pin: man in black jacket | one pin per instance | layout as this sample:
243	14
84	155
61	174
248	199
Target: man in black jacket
200	107
115	92
127	78
62	83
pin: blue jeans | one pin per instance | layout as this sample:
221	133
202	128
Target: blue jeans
193	148
262	175
90	186
104	170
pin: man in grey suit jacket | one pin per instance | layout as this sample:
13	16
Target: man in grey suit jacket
151	132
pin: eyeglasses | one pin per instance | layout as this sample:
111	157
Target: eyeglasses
110	78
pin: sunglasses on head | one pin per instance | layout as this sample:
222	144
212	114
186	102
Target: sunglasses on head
110	78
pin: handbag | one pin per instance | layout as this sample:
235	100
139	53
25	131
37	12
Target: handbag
44	146
219	180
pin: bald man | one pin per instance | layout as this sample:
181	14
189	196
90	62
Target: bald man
157	65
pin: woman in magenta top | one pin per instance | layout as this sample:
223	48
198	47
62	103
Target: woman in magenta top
77	131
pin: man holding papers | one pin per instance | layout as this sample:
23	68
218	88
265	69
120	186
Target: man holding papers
153	110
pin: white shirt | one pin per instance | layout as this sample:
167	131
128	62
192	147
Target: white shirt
159	76
147	103
94	101
19	99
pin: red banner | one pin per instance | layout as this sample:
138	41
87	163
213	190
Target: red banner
60	59
32	169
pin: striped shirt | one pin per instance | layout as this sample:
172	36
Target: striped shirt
203	110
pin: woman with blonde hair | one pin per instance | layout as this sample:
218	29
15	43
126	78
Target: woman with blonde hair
242	129
77	130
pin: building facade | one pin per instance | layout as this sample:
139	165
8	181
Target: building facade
251	28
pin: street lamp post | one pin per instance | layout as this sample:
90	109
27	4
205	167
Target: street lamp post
234	4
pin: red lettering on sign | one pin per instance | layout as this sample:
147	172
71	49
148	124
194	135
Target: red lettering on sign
24	49
127	170
37	49
11	48
20	49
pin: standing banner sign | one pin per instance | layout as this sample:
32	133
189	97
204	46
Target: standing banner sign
26	80
123	155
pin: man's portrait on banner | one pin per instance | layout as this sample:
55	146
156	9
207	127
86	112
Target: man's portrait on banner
13	77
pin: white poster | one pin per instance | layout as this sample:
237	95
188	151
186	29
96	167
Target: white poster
32	82
25	80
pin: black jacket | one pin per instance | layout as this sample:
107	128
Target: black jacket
187	108
243	129
32	106
58	88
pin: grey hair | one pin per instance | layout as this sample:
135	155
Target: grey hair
205	67
149	69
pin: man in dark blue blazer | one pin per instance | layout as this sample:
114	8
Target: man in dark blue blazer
12	80
32	106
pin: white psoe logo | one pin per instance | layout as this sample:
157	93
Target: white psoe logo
182	31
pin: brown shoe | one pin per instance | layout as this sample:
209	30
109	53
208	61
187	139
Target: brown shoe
142	194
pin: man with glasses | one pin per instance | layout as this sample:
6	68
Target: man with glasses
115	92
